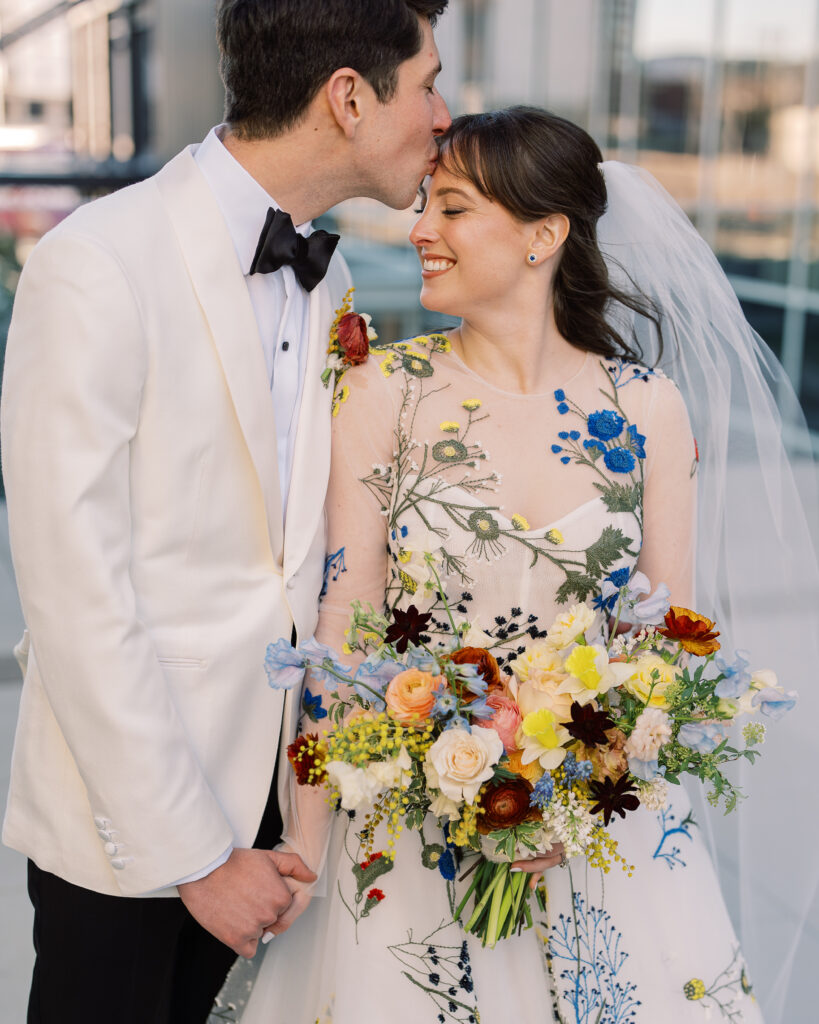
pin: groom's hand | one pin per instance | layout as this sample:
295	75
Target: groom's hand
243	897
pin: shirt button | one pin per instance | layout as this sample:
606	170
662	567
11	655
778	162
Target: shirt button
110	849
118	864
285	346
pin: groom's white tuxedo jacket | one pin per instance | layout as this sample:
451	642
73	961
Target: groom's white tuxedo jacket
139	455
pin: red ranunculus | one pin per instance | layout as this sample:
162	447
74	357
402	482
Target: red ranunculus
695	632
505	803
306	755
352	338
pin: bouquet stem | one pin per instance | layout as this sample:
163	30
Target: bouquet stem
501	903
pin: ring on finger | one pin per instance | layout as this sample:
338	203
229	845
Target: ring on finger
563	861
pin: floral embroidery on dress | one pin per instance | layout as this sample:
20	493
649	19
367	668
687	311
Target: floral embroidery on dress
725	993
672	853
448	481
441	970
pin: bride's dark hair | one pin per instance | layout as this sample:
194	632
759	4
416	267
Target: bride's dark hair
535	164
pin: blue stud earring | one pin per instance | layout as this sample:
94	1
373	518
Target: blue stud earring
532	258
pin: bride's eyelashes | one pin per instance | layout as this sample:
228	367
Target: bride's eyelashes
451	211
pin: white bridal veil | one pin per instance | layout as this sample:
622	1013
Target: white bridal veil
757	569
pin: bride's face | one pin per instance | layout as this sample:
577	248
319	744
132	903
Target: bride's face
472	250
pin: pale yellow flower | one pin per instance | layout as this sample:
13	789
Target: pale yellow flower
541	738
638	677
450	427
520	522
555	537
569	625
471	404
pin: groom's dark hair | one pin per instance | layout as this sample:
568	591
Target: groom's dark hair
275	55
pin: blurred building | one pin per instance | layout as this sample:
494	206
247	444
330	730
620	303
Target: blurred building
718	98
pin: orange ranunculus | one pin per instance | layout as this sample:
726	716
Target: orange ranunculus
411	695
531	772
693	631
486	665
505	803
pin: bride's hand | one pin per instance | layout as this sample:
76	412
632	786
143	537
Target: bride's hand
302	894
535	866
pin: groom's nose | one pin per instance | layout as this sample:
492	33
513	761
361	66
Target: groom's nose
441	118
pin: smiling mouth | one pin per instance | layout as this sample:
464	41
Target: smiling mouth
436	265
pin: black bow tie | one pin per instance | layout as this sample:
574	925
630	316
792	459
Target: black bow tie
281	245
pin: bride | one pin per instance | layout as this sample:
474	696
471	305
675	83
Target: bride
488	446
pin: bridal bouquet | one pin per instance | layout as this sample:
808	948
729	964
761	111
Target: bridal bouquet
588	723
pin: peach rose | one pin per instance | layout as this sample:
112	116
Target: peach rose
411	695
505	721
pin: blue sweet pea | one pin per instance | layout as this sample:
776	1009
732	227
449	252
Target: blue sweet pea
703	737
737	675
375	673
471	679
636	442
645	770
606	424
480	709
619	460
774	703
312	706
322	659
284	665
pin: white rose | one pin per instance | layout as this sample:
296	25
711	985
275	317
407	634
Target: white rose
475	636
442	807
569	625
354	784
464	761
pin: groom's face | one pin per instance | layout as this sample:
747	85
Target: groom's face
400	149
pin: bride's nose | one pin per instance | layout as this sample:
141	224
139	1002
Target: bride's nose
423	230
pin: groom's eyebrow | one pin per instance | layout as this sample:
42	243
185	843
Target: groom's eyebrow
433	74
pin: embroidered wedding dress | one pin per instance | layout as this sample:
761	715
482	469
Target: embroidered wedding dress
530	502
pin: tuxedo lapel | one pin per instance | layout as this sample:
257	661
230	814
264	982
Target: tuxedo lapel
222	292
311	459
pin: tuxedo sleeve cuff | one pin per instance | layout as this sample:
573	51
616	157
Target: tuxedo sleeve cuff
206	871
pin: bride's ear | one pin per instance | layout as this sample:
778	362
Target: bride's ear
549	236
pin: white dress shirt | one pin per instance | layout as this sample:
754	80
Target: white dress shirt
281	305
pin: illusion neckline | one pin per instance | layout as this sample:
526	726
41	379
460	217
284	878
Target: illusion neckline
517	394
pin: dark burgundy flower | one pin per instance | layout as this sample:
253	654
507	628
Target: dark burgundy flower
588	725
306	754
406	627
352	338
505	803
613	797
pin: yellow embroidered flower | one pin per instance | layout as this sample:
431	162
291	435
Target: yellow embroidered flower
404	556
694	989
440	342
520	522
386	366
407	582
341	396
555	537
450	427
471	404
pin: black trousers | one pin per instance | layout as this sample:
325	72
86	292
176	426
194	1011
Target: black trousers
141	960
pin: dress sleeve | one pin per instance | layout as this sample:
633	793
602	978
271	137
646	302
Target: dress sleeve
357	565
670	499
362	450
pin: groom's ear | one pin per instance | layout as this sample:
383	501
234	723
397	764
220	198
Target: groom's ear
344	92
550	235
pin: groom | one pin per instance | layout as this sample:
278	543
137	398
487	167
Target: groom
166	451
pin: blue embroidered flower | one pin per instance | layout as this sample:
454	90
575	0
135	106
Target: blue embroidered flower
563	408
401	532
636	442
589	445
619	460
542	793
574	435
557	448
620	577
565	459
446	865
560	395
564	435
312	706
606	425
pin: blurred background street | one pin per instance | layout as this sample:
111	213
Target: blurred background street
719	99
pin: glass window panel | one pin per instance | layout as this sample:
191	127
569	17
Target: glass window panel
758	246
809	390
767	321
